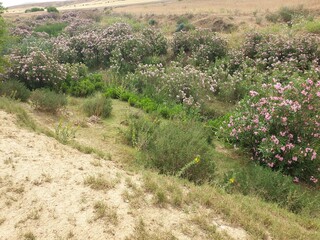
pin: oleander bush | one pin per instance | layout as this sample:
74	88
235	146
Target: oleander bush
281	52
37	69
204	45
186	85
280	126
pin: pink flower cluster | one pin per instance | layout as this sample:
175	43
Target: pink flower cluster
281	125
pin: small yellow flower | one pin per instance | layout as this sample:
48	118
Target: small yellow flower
232	180
197	159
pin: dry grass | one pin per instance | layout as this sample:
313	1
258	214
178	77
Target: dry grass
234	7
99	182
169	7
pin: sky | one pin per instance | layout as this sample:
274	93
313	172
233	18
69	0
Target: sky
8	3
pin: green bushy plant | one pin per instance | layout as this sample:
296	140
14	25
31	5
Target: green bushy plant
47	100
64	132
52	9
270	186
34	9
176	144
53	29
14	89
84	86
98	105
140	131
114	92
313	27
174	148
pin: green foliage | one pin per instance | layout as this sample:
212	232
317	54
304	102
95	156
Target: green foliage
164	110
174	148
14	89
272	187
52	10
53	29
114	92
1	8
152	22
47	100
34	9
3	38
313	27
98	105
85	86
183	24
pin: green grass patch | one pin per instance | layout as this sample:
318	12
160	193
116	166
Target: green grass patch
53	29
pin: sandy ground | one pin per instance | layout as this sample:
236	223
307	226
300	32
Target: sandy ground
43	194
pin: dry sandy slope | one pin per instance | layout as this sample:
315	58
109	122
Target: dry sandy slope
42	191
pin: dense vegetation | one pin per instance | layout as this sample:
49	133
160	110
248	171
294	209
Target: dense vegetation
262	96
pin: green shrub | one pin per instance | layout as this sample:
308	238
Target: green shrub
114	92
140	131
47	100
270	186
272	17
313	27
147	104
174	148
124	96
175	145
14	89
152	22
85	86
34	9
52	10
286	14
53	29
133	100
98	105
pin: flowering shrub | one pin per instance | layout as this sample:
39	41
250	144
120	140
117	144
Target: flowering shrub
128	54
157	42
185	85
273	51
281	126
205	46
37	69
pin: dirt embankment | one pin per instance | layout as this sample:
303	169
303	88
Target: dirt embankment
52	191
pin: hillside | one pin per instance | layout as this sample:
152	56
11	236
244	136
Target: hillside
172	119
